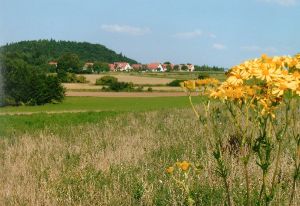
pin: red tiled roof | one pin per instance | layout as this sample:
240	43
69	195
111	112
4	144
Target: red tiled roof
153	66
120	64
111	67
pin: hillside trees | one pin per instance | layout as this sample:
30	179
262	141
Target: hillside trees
39	53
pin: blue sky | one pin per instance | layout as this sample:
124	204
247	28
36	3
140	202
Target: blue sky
213	32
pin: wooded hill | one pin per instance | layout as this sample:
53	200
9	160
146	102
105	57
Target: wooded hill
42	51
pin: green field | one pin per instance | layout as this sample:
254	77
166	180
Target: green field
79	110
106	104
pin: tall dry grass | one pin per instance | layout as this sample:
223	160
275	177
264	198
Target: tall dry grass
122	162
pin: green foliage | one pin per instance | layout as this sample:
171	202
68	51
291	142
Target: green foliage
208	68
203	76
24	84
176	68
81	79
106	80
120	86
69	62
67	77
184	68
101	67
168	67
175	83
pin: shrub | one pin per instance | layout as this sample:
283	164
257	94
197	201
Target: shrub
25	84
106	80
175	83
121	86
139	89
203	76
81	79
67	77
149	89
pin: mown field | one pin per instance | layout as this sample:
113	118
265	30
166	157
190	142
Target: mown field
156	80
116	156
77	111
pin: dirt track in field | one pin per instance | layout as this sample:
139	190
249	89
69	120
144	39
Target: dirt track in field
125	94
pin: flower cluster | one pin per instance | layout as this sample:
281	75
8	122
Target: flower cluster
192	85
183	166
264	81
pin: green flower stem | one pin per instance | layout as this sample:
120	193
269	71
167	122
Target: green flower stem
193	107
281	135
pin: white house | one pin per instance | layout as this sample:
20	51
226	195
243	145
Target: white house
156	67
191	67
122	66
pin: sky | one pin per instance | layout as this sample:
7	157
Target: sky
211	32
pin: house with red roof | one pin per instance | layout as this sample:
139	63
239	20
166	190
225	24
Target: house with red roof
155	67
112	67
122	66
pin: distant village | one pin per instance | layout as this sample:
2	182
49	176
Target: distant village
152	67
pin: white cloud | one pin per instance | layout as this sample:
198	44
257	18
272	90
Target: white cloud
212	35
189	35
219	46
282	2
126	29
255	48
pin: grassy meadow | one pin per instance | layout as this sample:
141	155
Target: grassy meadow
108	155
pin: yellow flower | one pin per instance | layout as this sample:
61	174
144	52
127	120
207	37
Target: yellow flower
265	58
280	89
184	165
267	73
235	80
170	170
208	81
190	85
296	74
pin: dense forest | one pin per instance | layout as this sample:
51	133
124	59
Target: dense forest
40	52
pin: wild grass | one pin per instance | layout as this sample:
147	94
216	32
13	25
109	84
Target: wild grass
122	159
